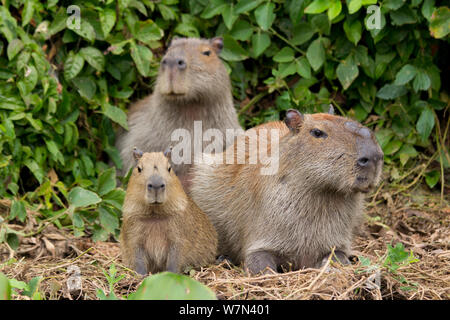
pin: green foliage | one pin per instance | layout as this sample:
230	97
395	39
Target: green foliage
171	286
161	286
64	90
395	258
13	286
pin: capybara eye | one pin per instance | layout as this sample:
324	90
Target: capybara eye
139	169
170	168
316	133
206	53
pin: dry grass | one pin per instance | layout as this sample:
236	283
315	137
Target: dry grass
418	220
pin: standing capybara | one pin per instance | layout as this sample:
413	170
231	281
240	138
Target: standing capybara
309	206
163	229
192	85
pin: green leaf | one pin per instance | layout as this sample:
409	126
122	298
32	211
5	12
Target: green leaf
94	57
79	197
406	73
13	241
265	15
335	9
432	178
393	4
35	169
115	198
316	54
86	30
284	55
392	147
347	71
5	288
303	68
242	31
391	91
425	124
107	20
354	6
353	30
427	9
142	56
55	151
422	81
14	47
229	17
232	50
171	286
108	219
18	210
73	66
302	33
106	181
86	87
116	114
246	6
213	8
30	77
317	6
27	12
149	31
260	42
403	16
406	152
287	69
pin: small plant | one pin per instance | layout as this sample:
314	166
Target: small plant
8	287
112	280
394	259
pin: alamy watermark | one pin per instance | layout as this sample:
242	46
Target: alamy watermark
207	147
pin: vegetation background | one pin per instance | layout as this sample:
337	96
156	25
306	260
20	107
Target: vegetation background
65	90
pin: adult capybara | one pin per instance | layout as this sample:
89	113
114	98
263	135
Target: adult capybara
163	229
307	207
192	85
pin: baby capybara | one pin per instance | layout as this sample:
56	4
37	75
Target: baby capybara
163	229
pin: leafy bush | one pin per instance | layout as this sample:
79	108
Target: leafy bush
64	90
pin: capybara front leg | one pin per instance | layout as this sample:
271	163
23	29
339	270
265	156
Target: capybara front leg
259	261
140	262
172	260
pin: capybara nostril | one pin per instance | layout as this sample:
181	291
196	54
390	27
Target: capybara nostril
181	64
149	186
363	161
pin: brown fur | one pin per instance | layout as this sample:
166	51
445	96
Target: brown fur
166	236
201	91
299	214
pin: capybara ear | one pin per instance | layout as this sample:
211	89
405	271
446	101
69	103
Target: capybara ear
331	110
217	44
137	154
174	38
294	119
168	152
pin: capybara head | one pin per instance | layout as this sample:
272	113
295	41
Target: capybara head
336	153
191	70
151	176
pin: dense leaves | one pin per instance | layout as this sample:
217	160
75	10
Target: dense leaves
65	83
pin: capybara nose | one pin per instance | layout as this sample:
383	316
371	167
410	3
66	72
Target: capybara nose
174	62
181	64
368	159
155	183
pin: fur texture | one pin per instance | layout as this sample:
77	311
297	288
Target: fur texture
163	236
309	206
198	91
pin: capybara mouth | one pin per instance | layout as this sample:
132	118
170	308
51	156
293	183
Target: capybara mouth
363	184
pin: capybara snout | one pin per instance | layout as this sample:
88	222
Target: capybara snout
156	189
369	157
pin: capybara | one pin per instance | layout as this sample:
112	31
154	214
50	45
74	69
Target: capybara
192	85
163	229
310	205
